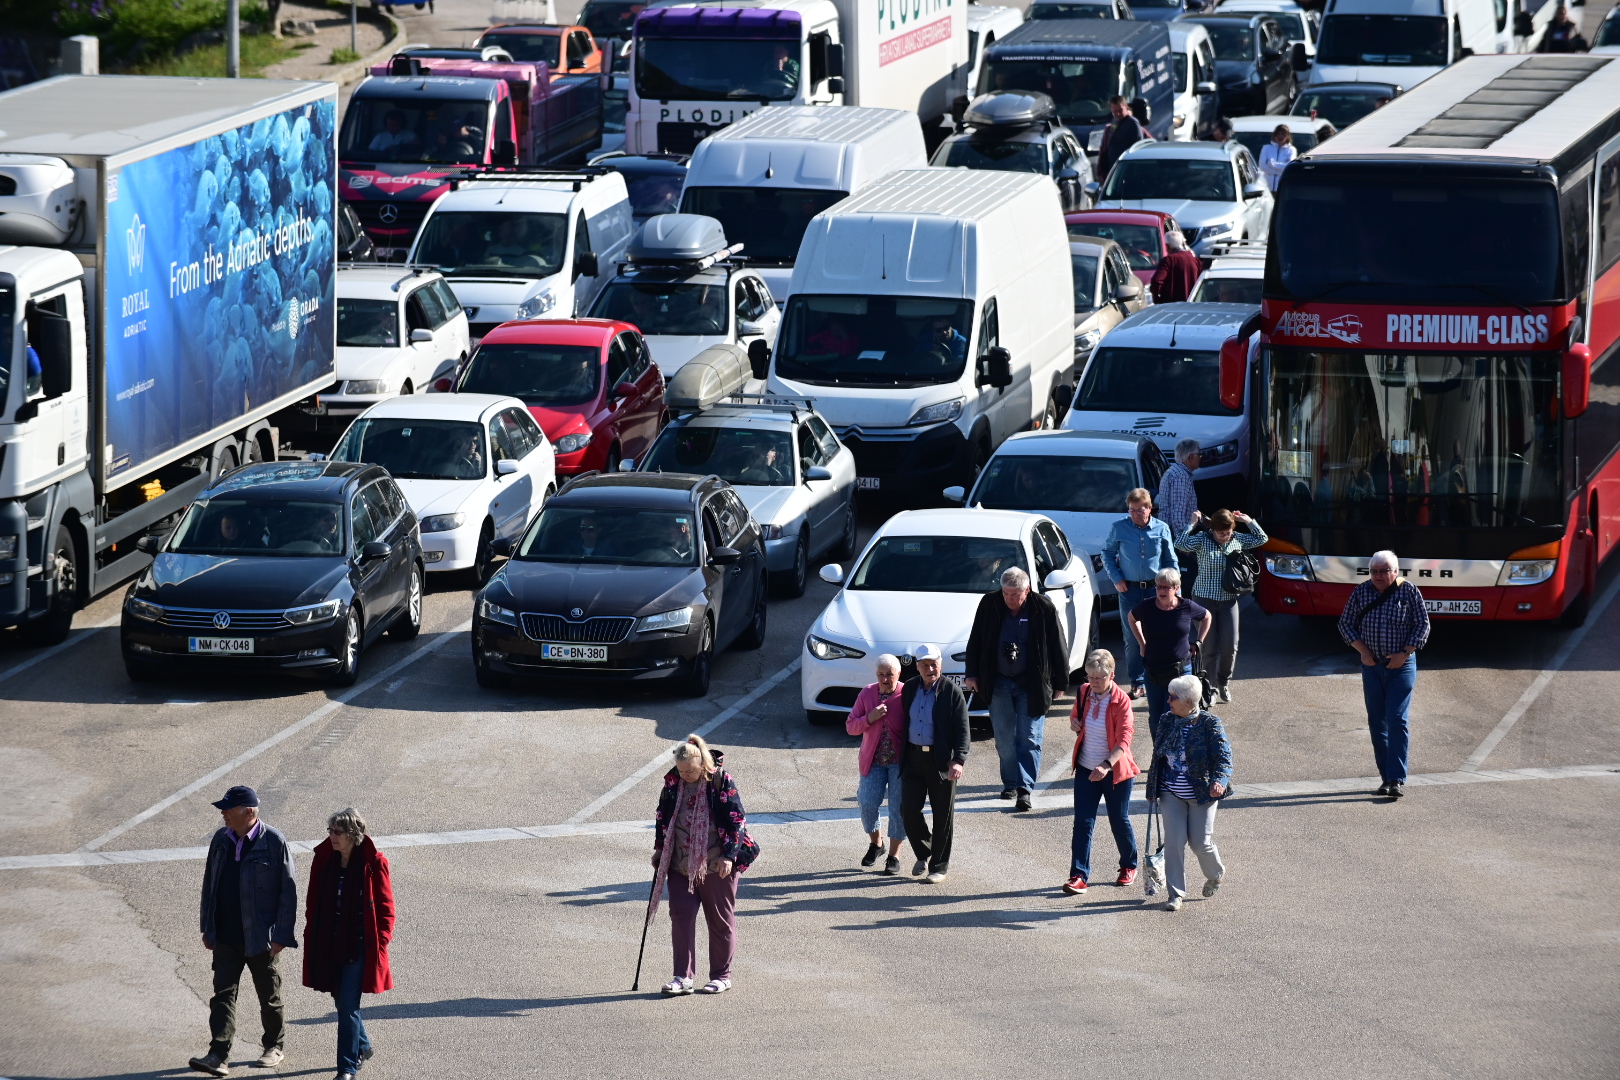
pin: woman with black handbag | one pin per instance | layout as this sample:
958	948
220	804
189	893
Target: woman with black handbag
1227	571
1167	628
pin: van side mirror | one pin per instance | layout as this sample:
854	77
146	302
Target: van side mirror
1204	89
955	494
585	264
505	152
1234	371
1300	61
995	368
835	84
835	62
1576	376
759	358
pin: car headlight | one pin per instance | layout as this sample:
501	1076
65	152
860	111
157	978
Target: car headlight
366	386
496	613
569	444
537	305
772	532
1528	571
313	613
1218	455
443	522
1292	567
143	609
822	649
1087	341
679	619
8	546
938	412
1217	230
1179	121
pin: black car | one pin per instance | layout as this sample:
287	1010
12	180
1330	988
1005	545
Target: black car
1253	67
353	245
627	576
1343	103
282	566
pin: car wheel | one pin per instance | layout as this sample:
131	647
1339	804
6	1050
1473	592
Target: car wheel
348	669
1049	418
850	539
53	627
694	677
754	636
790	583
981	458
482	557
409	622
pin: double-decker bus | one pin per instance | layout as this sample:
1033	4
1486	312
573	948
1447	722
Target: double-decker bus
1436	370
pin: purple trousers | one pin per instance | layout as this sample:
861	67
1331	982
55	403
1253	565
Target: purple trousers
718	897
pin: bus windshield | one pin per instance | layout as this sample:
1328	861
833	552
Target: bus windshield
1358	40
1183	381
1444	239
767	222
874	340
1361	439
1080	88
686	69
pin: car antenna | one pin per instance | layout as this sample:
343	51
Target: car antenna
770	169
1174	326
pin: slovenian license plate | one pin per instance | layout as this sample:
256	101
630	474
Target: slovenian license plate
577	654
868	483
1452	607
238	646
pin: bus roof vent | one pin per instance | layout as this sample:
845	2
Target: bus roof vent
1505	102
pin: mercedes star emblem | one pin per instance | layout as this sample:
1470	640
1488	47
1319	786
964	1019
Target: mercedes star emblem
388	214
222	619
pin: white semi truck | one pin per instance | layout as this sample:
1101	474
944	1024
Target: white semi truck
166	284
698	67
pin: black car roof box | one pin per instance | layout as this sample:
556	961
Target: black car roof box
678	238
1010	109
708	378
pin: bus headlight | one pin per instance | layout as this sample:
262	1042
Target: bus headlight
1527	571
1290	567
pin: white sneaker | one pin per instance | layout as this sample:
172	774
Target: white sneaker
1173	904
678	986
1225	694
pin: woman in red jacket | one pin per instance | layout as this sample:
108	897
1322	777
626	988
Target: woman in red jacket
348	922
1103	770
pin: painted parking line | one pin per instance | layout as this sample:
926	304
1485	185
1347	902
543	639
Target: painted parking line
1247	794
78	637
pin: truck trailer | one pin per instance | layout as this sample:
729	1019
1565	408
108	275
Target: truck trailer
166	284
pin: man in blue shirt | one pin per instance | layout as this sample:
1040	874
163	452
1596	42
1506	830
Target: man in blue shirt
940	334
1137	548
937	744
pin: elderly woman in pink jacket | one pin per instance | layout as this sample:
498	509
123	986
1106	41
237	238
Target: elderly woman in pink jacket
881	723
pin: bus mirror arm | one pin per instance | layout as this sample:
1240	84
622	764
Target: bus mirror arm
1576	380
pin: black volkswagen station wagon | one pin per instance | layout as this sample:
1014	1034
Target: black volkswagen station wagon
625	576
292	566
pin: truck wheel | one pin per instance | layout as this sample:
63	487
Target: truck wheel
53	627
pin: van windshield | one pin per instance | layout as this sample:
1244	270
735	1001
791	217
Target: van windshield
1160	381
686	69
1080	88
1382	39
768	222
1233	39
874	340
485	242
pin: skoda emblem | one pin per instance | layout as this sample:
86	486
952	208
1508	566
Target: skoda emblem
388	214
222	619
577	613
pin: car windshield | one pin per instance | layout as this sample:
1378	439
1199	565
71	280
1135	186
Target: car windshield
942	564
1198	179
1291	25
501	243
1228	290
624	536
535	374
688	69
655	187
1085	279
426	129
1233	39
1141	242
1419	40
1071	11
611	18
993	154
412	449
1161	381
665	308
528	48
275	527
768	222
1341	108
1084	485
1609	32
367	323
746	457
874	340
1080	88
1179	64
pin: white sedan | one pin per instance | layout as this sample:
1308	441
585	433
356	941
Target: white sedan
397	331
474	467
919	581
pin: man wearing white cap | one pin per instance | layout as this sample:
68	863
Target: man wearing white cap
937	744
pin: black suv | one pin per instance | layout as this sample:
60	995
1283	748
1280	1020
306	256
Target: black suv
628	576
292	566
1252	61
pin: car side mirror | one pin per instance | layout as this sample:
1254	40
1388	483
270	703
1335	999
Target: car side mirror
419	336
149	545
585	264
1254	191
505	152
1301	60
442	386
1063	397
1060	579
955	494
1128	291
625	389
1093	189
627	464
1204	89
375	550
505	467
832	574
995	368
817	472
501	548
724	556
747	328
759	358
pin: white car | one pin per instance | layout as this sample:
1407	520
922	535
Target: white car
397	331
1214	191
919	581
474	467
1236	275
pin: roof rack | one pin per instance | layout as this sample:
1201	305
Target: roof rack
404	270
780	402
538	173
1250	248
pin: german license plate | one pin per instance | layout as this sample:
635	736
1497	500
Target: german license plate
868	483
1452	607
232	646
574	654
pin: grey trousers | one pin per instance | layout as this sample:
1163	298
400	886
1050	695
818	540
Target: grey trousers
1220	648
1186	822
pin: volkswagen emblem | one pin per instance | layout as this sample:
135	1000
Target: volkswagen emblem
388	214
906	660
222	619
577	613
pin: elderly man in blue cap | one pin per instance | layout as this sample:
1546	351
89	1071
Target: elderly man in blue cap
249	903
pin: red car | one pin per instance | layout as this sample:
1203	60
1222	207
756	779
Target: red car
1139	232
590	383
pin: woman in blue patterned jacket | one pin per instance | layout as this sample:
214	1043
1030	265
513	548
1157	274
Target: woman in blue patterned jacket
1190	774
700	845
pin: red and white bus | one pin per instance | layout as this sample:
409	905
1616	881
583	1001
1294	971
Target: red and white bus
1436	372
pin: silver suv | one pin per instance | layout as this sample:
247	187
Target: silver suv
1214	190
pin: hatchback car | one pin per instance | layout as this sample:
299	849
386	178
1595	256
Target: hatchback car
1105	292
1214	191
1018	131
919	581
566	50
625	577
278	566
1253	64
793	474
590	383
1341	103
1140	233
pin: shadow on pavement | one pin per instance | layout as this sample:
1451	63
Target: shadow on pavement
462	1008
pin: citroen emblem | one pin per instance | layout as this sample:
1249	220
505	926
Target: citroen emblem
577	613
388	214
222	619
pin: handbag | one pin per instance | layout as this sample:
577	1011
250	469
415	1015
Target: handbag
1241	573
1153	868
1206	691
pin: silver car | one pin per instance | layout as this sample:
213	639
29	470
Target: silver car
793	474
1214	191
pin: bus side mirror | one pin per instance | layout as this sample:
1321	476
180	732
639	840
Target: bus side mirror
1576	376
1234	369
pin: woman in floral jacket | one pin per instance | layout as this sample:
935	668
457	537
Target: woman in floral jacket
700	845
1190	775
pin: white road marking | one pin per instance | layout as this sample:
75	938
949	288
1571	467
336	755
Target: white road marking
662	761
78	636
1246	793
279	737
1537	685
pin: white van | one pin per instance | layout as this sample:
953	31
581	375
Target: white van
1198	103
764	177
931	316
1402	41
523	246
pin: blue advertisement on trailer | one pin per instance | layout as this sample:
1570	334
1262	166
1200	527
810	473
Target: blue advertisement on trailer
219	281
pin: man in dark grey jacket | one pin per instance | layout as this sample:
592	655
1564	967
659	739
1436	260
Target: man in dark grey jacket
937	744
249	904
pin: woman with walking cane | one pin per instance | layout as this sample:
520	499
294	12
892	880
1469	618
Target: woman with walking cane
700	845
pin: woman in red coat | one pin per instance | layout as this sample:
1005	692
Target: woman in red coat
1104	770
348	922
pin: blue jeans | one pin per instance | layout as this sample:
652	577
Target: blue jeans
1389	700
1158	697
1018	734
1118	796
1133	655
882	779
352	1040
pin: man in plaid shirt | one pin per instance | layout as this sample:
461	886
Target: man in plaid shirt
1178	504
1386	622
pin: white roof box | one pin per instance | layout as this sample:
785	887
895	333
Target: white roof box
679	238
708	378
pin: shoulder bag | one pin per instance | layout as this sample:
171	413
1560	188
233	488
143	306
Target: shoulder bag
1241	573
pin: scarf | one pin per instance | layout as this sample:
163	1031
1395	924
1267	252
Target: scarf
691	815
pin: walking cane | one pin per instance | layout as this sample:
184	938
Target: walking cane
646	921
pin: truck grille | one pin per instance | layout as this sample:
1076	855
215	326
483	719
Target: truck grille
410	215
204	619
600	631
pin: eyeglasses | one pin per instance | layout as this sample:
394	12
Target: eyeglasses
1164	588
337	832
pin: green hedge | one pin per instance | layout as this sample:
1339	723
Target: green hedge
131	31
